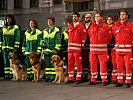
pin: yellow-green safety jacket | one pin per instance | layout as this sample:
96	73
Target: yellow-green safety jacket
52	40
10	38
31	41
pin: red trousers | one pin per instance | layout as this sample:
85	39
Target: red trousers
72	58
103	59
124	67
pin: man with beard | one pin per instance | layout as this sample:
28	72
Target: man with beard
76	41
85	50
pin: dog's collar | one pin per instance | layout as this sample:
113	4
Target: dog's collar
35	63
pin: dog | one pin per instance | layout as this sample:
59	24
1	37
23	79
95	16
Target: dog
38	65
61	75
18	69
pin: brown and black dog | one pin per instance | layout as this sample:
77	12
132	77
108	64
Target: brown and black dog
18	69
61	75
38	65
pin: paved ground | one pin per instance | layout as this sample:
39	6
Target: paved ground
27	90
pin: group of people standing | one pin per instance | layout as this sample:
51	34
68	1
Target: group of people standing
110	48
34	40
93	47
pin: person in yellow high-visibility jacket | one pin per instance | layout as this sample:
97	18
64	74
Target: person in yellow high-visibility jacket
9	42
31	44
51	43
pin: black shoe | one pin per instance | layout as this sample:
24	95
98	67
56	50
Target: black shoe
51	80
69	82
104	83
30	79
118	84
84	80
46	80
78	82
92	83
114	82
128	85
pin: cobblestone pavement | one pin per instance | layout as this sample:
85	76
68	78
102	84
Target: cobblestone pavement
10	90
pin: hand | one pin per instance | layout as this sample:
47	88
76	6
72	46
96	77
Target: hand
0	50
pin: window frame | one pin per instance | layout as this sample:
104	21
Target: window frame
57	2
3	5
17	4
32	5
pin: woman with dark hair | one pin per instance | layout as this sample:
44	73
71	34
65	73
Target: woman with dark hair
9	42
31	44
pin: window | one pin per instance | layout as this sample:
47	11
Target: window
33	3
57	1
83	6
3	4
17	4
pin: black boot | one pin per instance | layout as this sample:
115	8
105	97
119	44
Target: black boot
46	80
92	83
51	80
118	84
69	82
114	82
128	85
78	82
104	83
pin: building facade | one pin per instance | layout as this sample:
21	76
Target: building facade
112	7
37	9
41	9
60	9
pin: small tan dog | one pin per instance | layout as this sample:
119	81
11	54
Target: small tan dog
61	76
19	70
38	65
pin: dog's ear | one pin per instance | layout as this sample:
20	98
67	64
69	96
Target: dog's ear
58	58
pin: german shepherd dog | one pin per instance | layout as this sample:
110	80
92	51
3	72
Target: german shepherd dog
18	69
38	65
61	75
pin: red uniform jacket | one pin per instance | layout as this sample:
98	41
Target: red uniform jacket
123	34
100	35
76	37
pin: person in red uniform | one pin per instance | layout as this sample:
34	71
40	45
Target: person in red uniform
85	50
100	35
111	49
76	41
123	33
